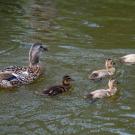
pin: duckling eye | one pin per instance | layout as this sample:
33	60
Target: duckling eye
95	75
41	47
67	80
109	59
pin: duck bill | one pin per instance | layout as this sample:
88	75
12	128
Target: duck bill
72	79
117	82
87	96
44	48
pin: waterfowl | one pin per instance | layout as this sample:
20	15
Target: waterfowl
57	89
100	74
102	93
128	59
14	76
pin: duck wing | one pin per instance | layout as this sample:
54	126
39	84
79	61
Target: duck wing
99	74
101	93
15	69
54	90
7	75
8	79
12	79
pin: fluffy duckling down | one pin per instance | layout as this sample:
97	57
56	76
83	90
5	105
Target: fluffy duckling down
108	71
128	59
58	89
102	93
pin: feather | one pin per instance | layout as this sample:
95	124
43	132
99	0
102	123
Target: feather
6	75
14	76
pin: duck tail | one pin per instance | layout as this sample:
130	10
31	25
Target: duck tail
40	93
90	96
121	60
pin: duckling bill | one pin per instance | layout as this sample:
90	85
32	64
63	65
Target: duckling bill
58	89
100	74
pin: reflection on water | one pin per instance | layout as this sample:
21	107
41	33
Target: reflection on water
80	35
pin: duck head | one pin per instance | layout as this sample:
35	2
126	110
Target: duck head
35	52
112	84
67	80
109	63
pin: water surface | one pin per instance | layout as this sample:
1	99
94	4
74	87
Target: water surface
80	34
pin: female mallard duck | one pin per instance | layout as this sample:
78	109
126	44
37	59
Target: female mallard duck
14	76
101	93
128	59
100	74
57	89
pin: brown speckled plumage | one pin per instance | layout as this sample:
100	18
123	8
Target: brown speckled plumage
14	76
57	89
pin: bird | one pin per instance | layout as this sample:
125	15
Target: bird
58	89
100	74
128	59
14	76
102	93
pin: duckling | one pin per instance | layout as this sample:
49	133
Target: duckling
128	59
100	74
57	89
102	93
14	76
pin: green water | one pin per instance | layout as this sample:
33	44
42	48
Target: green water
80	34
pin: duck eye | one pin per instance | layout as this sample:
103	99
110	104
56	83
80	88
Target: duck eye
109	59
95	75
41	47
